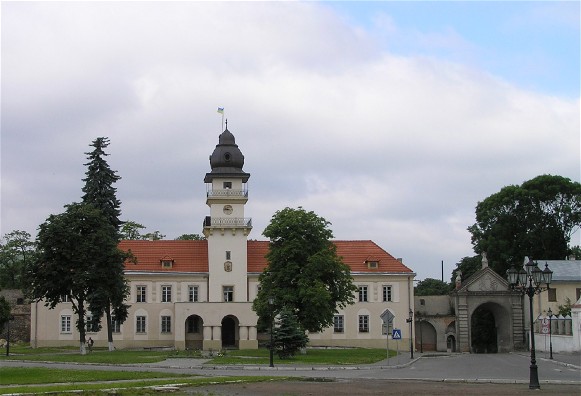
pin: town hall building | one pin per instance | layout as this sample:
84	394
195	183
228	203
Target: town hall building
198	294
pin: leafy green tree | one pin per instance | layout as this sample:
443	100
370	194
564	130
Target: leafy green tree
304	272
288	335
432	287
4	312
190	237
576	252
15	252
111	289
72	246
154	236
535	219
131	230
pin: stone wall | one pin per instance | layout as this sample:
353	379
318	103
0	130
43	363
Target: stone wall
20	309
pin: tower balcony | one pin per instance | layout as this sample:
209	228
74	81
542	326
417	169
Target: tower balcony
227	223
222	195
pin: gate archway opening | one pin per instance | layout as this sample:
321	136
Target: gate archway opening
230	334
490	329
426	336
194	332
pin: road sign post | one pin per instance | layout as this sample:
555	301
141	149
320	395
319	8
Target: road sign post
387	317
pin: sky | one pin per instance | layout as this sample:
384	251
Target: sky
391	120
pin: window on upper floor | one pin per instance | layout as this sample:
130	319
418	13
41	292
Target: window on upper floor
363	293
228	293
387	295
90	325
227	185
193	293
166	263
140	294
552	294
228	255
372	264
166	294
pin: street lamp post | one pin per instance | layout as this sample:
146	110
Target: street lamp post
421	335
410	320
271	304
529	282
550	334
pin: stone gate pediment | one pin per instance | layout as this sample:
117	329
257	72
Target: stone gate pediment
485	280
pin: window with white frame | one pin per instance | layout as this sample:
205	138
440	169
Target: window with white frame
338	324
166	324
140	324
65	323
166	294
364	323
65	298
192	293
115	326
228	293
141	294
387	294
363	293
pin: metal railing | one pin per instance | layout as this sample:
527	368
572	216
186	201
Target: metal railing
226	193
227	221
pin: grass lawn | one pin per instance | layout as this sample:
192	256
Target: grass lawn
330	357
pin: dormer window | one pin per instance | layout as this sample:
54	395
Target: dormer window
166	262
372	264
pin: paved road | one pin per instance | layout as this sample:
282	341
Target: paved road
492	368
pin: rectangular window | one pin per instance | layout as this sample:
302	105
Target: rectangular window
552	295
372	264
227	185
65	323
116	326
193	294
228	293
364	323
140	324
65	298
193	324
166	294
387	293
140	295
338	324
166	324
362	293
228	255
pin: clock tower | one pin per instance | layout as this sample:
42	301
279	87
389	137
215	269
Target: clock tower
226	229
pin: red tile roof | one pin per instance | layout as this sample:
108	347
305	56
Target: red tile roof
187	256
192	256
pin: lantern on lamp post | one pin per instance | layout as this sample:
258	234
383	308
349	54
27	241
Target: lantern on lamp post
529	281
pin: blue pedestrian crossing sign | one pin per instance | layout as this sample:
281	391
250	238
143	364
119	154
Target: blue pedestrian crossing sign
396	334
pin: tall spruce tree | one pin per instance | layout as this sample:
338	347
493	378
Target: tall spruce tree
109	298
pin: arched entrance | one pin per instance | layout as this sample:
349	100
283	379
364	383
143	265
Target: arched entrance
194	331
426	336
451	337
489	329
229	331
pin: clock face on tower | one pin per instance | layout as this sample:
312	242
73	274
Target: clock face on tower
227	209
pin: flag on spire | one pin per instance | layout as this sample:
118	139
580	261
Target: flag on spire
221	110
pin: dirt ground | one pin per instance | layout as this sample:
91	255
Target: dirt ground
362	387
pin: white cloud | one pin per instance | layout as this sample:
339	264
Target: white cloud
390	148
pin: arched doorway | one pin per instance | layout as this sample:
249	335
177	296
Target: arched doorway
490	329
426	338
229	331
194	331
451	337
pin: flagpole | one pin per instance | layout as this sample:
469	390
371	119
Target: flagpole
221	111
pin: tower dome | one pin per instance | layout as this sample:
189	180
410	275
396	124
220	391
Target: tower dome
227	159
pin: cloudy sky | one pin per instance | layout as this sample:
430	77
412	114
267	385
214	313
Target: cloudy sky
390	119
